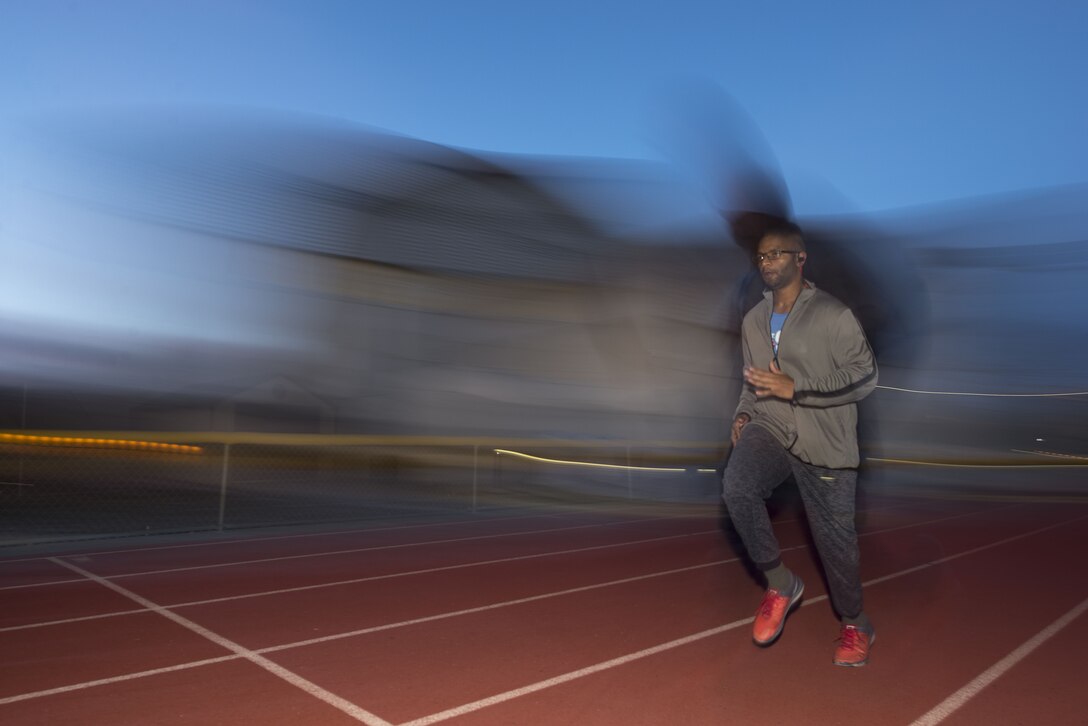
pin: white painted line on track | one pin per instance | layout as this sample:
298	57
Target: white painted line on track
116	679
266	538
28	585
79	557
975	550
543	596
272	667
638	655
690	638
388	576
378	548
498	605
79	619
272	538
340	636
582	672
403	545
480	519
948	706
612	511
338	583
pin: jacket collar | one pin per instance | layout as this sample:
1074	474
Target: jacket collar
807	291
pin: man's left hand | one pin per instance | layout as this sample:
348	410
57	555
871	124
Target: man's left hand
772	382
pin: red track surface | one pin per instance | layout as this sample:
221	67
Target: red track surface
604	617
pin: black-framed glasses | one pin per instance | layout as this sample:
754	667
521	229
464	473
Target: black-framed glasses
773	255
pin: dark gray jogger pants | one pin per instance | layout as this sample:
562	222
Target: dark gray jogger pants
757	466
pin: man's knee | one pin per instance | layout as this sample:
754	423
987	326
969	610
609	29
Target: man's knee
738	490
727	493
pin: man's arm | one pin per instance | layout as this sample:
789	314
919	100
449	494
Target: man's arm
746	405
855	373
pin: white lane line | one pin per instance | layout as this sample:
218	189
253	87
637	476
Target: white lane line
272	667
337	532
267	538
338	583
493	606
543	596
116	679
618	511
349	634
78	619
498	605
582	672
614	662
975	550
388	576
418	544
28	585
403	545
364	531
611	511
946	707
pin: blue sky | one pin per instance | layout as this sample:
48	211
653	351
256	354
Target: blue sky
890	105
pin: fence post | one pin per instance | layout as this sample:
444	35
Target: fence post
22	425
630	486
223	484
475	470
496	472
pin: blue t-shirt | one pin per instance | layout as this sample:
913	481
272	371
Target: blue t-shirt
777	321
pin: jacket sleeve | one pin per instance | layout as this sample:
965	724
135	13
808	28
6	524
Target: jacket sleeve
855	373
747	395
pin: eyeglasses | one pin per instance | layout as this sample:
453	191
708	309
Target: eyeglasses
773	255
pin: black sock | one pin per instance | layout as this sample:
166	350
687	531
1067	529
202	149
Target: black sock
780	578
860	621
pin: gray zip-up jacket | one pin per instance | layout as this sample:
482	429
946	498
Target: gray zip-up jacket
824	351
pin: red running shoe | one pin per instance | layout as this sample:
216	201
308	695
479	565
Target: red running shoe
771	616
853	648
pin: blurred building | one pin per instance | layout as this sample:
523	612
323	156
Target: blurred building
191	271
256	274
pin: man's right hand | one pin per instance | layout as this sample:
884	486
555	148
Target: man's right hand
738	424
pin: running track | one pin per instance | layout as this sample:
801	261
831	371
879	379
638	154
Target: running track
607	616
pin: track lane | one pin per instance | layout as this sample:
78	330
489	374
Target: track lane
922	654
38	659
398	672
304	614
31	573
238	579
593	567
235	692
127	562
23	607
1052	672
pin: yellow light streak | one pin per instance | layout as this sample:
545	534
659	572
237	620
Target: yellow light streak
594	465
97	443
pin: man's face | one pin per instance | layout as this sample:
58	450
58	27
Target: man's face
780	272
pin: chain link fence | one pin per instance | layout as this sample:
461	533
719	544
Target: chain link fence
54	488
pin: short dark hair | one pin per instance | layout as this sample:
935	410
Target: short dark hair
786	230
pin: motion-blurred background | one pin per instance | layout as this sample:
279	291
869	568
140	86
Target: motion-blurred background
272	263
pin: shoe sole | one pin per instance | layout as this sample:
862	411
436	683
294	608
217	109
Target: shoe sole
859	664
781	626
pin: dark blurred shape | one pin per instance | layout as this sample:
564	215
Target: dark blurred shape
710	135
852	259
